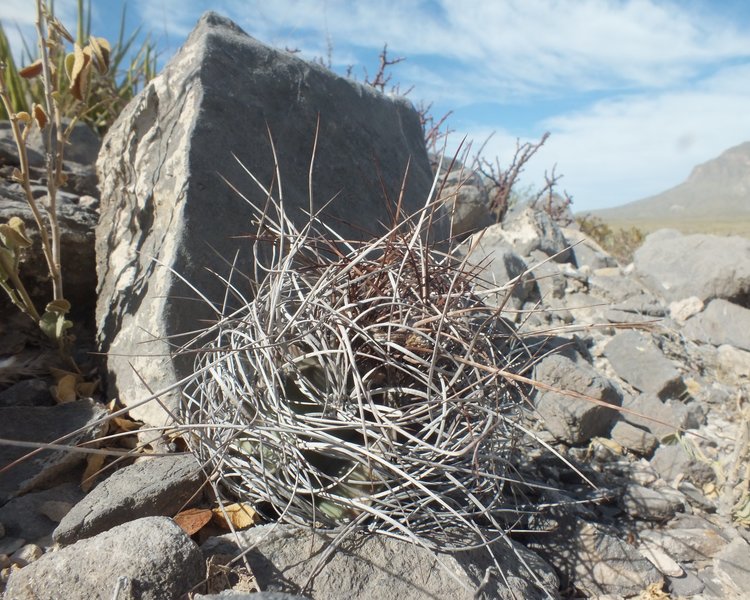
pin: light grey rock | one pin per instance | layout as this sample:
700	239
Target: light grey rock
229	595
570	419
633	438
676	266
636	359
733	365
585	251
374	566
532	229
594	561
28	516
720	323
660	417
682	310
613	284
640	308
42	424
159	486
671	461
649	504
154	557
499	264
162	166
699	542
733	565
685	586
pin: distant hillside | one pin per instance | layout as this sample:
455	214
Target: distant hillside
717	191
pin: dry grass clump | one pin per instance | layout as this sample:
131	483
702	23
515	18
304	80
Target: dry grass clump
362	384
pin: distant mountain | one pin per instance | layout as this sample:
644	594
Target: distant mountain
717	190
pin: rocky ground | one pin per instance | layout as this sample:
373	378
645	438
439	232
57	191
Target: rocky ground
650	501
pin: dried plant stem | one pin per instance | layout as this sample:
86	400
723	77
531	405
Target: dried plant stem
54	160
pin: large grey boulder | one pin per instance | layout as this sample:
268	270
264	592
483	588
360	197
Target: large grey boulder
533	229
465	198
677	266
162	167
149	559
282	558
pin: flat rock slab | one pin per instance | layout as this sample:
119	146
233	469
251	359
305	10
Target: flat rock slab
164	168
44	424
571	419
676	266
159	486
720	323
637	360
36	514
374	566
153	558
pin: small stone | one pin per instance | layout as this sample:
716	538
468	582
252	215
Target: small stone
633	438
682	310
55	510
661	560
645	503
688	584
26	554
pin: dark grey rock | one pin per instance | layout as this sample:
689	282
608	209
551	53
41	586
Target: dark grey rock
613	285
153	557
44	424
466	200
636	359
28	516
721	322
29	392
374	566
572	419
161	168
548	276
676	266
159	486
649	504
77	223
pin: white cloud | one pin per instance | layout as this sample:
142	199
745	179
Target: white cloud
632	146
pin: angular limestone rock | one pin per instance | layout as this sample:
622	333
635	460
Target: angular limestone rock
162	169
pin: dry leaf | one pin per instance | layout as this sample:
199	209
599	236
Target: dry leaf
32	70
123	424
101	50
241	516
40	116
94	464
193	520
65	390
24	117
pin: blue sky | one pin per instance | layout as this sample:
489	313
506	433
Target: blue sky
635	93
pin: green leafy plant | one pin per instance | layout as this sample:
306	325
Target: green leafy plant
64	92
106	92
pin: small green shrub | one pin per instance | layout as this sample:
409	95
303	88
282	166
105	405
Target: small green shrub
620	243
